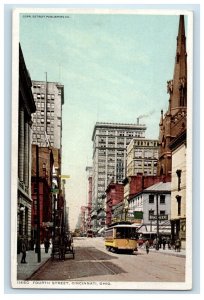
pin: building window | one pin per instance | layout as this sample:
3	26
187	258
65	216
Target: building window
162	199
178	198
151	198
178	173
162	212
151	212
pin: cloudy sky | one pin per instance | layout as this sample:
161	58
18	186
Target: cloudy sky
114	68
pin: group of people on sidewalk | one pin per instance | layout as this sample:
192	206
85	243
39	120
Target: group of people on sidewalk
23	247
60	244
158	243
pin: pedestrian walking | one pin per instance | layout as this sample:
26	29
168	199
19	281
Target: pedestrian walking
164	243
23	251
147	246
46	244
169	243
154	243
178	245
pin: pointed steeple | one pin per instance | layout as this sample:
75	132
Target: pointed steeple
179	91
161	119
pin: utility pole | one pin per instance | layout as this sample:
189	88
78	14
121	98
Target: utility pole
38	205
157	212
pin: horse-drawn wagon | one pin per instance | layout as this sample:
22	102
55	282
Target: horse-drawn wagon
62	246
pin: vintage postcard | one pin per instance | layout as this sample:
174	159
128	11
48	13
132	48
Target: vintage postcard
101	149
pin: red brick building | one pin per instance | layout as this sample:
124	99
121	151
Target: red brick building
43	182
114	195
137	183
89	171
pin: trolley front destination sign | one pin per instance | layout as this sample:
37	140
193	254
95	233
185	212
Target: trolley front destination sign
160	217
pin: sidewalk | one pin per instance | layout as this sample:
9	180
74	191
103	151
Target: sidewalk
24	271
167	251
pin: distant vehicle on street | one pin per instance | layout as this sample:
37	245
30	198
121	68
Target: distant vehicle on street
121	236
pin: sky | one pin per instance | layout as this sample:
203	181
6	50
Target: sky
114	68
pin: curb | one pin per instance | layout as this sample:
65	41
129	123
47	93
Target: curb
166	253
38	268
171	254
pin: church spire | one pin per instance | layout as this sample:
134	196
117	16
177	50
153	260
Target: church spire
179	89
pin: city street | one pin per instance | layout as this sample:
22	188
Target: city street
94	263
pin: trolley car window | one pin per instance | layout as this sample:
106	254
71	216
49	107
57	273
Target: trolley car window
109	233
124	233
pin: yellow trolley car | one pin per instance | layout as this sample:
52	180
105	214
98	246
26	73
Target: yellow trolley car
121	237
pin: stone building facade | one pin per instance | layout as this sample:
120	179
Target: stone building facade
144	204
173	136
47	120
178	188
26	109
110	141
142	157
174	121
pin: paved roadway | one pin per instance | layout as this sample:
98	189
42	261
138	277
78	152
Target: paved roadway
94	263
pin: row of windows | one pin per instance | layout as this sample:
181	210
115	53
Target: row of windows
42	128
42	113
38	142
42	105
42	96
38	121
146	153
161	212
113	141
146	143
121	133
42	136
42	120
162	199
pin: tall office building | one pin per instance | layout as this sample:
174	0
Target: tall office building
142	157
47	132
47	120
110	141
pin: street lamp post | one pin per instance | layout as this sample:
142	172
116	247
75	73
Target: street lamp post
38	205
126	211
151	219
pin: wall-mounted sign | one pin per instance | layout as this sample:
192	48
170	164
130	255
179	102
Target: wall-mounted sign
160	217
